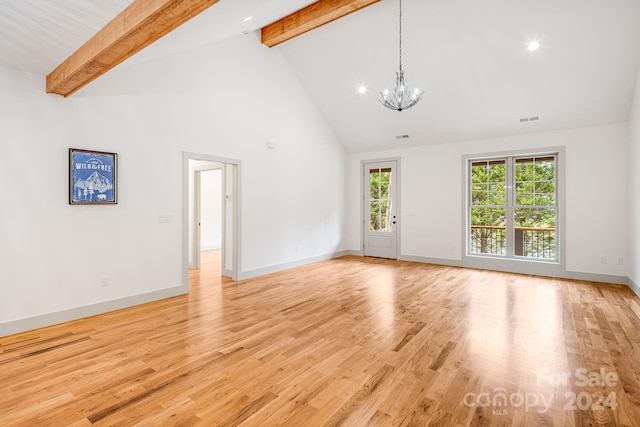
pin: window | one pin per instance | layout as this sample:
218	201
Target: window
380	199
512	207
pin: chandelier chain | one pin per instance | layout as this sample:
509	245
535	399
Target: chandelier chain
400	38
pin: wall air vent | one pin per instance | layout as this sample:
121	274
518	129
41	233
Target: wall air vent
529	119
402	136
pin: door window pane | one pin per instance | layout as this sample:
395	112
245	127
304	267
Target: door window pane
380	199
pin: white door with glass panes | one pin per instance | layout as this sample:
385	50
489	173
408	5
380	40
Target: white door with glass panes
380	222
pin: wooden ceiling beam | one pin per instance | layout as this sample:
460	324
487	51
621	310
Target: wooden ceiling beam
309	18
139	25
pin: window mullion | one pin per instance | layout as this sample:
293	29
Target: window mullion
469	237
510	213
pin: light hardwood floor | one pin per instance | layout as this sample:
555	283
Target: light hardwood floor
352	341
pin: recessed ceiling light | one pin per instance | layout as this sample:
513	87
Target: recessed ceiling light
533	45
362	89
247	19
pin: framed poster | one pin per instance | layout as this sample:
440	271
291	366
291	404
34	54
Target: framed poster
92	177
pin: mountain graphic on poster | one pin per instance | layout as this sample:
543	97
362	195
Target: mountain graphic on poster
95	181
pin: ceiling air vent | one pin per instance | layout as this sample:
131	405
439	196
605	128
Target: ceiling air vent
529	119
402	136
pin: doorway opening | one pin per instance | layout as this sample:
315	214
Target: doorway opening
211	212
205	209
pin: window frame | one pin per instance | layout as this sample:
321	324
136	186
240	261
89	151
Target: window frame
509	261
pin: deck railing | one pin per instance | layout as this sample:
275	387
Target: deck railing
530	242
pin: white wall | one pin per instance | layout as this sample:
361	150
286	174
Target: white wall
431	188
634	188
223	100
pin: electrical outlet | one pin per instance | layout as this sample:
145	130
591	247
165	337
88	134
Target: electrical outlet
603	260
105	281
620	260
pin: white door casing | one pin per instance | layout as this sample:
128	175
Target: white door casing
231	251
197	204
229	219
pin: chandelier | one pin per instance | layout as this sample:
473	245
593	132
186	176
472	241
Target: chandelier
401	97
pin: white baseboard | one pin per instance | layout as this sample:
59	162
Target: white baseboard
27	324
557	273
439	261
210	247
280	267
634	286
560	274
40	321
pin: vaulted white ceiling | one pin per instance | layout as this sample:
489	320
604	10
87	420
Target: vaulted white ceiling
37	35
469	56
